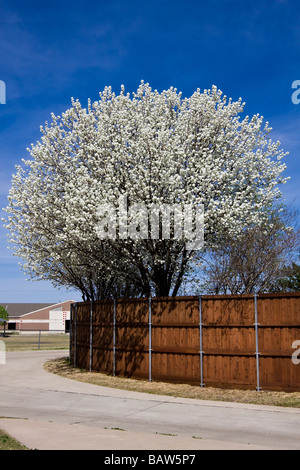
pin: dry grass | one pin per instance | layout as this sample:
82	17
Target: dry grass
9	443
64	368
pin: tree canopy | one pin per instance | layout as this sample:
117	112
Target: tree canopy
155	149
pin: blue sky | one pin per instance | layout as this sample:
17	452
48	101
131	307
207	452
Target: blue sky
52	51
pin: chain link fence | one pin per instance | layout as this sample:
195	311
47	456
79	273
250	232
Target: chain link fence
34	340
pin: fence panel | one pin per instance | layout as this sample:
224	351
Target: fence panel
279	327
229	341
82	335
132	338
175	339
102	336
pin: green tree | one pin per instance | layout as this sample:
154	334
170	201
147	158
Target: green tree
290	282
3	314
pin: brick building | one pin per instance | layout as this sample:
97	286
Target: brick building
24	317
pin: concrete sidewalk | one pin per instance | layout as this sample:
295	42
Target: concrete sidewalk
47	412
43	435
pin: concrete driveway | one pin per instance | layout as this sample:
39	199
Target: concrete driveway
48	412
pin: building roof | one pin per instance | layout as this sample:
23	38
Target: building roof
19	309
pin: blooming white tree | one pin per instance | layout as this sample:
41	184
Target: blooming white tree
155	149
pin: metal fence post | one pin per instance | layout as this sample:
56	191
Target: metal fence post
114	339
257	353
150	340
201	341
91	335
75	333
71	331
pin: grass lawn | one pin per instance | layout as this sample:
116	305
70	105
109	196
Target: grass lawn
26	342
9	443
64	368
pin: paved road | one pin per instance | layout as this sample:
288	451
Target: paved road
51	412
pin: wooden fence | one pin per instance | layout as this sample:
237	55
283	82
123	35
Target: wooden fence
245	341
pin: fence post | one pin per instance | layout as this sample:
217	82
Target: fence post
71	331
257	353
201	341
150	340
91	334
114	339
75	334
